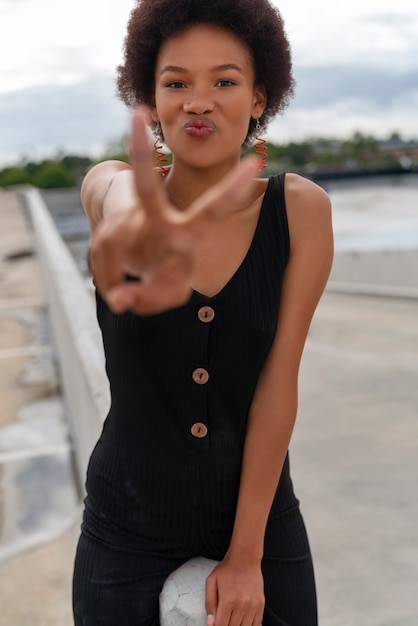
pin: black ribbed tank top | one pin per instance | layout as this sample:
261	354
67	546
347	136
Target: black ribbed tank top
164	475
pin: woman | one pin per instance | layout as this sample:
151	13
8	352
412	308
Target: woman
207	278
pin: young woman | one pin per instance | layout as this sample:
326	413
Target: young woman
207	278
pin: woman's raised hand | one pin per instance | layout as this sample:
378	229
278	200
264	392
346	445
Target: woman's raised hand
154	240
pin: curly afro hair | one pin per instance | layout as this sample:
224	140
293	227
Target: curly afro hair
255	22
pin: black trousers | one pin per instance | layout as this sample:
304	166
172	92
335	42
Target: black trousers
113	587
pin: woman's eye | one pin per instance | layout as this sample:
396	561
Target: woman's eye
176	84
225	83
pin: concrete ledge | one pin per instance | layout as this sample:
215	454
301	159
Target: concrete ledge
376	291
76	335
387	273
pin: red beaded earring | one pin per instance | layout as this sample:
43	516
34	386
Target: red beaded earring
260	147
160	156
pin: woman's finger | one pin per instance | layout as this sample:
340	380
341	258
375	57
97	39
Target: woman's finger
231	194
123	297
150	298
211	600
147	181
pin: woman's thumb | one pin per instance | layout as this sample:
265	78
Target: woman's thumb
211	600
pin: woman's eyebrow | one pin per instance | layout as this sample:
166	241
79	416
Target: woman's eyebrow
173	68
227	66
217	68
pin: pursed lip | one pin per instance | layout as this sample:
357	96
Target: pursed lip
199	127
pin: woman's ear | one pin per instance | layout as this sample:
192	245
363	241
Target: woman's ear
152	114
260	101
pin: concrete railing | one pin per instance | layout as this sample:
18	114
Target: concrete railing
76	335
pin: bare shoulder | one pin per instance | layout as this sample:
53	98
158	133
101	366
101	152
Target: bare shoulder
304	195
95	186
308	207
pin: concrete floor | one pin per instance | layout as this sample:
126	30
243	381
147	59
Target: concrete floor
355	459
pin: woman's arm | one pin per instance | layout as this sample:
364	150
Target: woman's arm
237	580
96	190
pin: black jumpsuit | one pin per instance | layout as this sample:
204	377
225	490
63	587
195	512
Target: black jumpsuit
163	479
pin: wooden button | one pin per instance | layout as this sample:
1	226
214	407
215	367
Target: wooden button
206	314
200	376
199	430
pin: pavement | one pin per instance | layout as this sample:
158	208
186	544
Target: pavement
354	458
354	453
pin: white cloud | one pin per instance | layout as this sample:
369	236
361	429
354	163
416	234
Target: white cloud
56	41
341	119
39	121
378	33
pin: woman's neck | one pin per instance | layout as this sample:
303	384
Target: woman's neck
184	184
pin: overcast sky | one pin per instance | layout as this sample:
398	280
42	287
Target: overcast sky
356	67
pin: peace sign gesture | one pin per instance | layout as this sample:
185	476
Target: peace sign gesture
150	238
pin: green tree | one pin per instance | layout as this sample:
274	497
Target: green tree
32	167
53	175
14	176
77	166
116	149
362	150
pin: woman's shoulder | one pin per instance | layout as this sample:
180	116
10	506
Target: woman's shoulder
103	172
96	184
299	189
308	206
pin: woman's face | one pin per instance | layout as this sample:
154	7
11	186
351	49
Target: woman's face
205	95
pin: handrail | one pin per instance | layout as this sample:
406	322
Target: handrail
76	335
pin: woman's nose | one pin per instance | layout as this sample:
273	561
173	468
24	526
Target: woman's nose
199	103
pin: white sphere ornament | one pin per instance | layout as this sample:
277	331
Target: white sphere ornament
182	599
